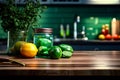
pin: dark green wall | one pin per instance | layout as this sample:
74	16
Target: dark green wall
92	17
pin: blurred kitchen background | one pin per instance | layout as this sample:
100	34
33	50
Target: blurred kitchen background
92	14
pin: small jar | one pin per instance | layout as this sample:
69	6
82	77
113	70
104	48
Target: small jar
43	37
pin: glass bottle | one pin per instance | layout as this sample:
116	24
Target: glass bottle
67	30
62	31
13	37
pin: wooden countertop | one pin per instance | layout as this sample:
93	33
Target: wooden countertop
81	63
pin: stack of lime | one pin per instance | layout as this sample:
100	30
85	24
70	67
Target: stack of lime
56	52
67	50
43	46
61	51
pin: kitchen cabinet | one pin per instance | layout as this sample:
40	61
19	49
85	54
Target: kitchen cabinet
49	1
90	2
85	2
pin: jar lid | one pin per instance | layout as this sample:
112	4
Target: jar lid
43	30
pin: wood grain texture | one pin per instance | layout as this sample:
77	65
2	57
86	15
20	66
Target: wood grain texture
81	63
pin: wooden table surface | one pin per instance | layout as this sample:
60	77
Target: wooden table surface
81	63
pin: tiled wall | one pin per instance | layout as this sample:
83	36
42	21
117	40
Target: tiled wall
3	35
91	16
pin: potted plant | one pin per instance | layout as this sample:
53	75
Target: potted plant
16	18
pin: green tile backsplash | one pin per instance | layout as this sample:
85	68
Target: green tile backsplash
91	16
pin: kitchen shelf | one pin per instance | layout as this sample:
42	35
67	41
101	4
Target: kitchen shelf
79	44
80	41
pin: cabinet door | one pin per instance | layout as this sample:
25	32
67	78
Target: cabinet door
45	1
66	1
23	1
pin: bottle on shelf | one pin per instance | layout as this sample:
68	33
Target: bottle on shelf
75	30
62	31
83	30
76	21
113	26
67	30
83	33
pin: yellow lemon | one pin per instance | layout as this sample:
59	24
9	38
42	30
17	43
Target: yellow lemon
28	50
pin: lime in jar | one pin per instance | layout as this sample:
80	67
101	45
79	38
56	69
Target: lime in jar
43	37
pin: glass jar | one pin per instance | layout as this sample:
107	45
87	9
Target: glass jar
13	37
43	37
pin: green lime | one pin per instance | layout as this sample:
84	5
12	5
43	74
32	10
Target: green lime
66	47
66	54
42	50
18	45
45	42
55	52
